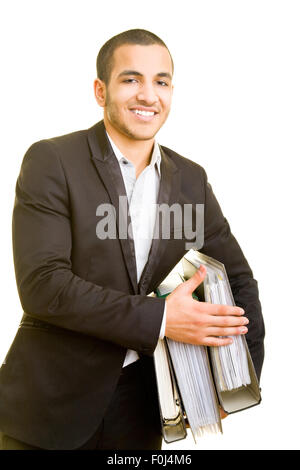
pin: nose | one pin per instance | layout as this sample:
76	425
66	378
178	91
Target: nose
147	93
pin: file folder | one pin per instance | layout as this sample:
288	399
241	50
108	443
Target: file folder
240	390
200	378
171	409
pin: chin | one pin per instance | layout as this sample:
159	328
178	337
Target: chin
141	134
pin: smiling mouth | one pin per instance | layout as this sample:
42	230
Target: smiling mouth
144	115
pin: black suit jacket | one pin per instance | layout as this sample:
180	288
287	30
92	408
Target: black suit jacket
82	304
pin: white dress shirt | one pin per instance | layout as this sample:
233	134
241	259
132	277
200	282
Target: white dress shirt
142	195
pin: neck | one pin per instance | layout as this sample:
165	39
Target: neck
137	151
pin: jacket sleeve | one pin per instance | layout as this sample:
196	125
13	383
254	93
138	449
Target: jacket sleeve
220	244
42	246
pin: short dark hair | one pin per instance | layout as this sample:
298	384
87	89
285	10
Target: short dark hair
140	37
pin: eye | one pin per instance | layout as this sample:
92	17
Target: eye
162	83
130	80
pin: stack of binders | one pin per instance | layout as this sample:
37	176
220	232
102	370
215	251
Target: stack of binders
194	381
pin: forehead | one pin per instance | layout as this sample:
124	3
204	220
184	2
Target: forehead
152	59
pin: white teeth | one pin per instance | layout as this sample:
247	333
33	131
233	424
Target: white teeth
143	113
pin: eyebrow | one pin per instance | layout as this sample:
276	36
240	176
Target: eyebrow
138	74
165	74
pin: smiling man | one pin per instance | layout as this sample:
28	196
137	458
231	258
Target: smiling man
136	98
80	373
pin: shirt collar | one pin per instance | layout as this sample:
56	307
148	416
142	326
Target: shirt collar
155	157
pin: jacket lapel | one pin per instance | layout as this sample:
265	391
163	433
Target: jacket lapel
109	171
168	194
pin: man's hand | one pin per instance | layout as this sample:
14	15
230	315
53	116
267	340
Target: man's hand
201	323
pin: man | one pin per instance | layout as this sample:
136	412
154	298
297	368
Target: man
79	374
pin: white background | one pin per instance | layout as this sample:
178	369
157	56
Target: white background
236	111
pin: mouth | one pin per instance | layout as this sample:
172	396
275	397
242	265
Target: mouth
144	114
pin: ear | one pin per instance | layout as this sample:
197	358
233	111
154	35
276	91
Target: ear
100	92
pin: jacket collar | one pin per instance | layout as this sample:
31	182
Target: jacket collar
109	171
155	156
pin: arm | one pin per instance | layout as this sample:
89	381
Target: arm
196	322
220	244
48	289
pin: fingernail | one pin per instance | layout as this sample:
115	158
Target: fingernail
242	311
243	329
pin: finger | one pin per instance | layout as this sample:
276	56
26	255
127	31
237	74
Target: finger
218	309
213	341
191	284
228	321
241	330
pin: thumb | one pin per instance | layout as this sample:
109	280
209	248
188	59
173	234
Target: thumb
191	284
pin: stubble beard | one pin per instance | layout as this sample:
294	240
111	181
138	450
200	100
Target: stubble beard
113	117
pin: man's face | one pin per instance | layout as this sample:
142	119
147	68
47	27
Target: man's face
138	97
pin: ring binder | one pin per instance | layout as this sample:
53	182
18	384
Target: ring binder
196	380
